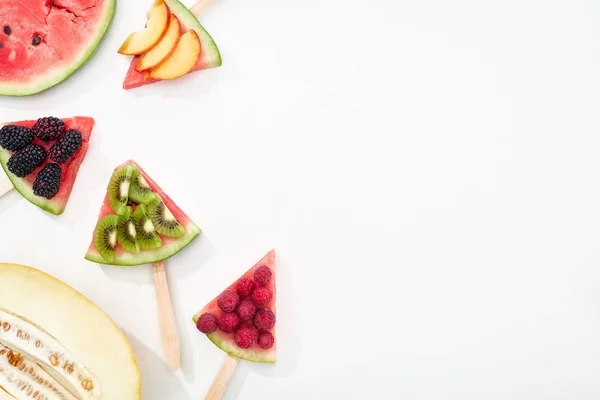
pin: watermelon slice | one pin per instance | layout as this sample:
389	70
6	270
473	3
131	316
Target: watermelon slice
43	42
246	287
210	56
57	204
162	246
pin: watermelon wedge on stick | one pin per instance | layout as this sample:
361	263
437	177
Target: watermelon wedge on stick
58	147
140	224
241	321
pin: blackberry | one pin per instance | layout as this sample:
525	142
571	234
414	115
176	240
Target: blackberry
68	145
14	138
49	128
23	162
47	182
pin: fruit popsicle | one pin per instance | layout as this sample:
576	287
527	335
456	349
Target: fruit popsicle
42	158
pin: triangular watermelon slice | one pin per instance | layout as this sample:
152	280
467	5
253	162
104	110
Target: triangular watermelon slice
138	223
55	205
240	321
210	56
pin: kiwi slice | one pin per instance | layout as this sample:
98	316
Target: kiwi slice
105	237
118	189
165	223
140	191
146	233
126	232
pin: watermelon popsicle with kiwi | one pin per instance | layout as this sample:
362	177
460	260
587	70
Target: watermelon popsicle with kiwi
172	44
140	224
43	42
41	158
241	320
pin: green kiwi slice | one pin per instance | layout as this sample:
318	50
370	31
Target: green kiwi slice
118	189
165	223
105	237
139	191
127	233
146	233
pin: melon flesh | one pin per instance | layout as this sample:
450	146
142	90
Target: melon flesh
57	204
170	246
210	56
226	341
70	31
75	322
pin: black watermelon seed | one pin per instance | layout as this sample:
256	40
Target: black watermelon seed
36	40
7	30
1	45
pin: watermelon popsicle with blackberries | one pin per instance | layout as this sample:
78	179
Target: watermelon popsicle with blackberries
139	224
241	320
42	158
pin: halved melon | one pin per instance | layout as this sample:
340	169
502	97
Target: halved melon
226	341
170	245
24	186
210	56
35	299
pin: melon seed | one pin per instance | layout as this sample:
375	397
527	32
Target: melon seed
36	40
7	30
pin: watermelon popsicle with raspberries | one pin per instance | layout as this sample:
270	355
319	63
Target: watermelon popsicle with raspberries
43	42
42	158
241	320
172	44
139	224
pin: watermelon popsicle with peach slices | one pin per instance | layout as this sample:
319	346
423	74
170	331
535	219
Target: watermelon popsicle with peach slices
140	224
241	320
42	158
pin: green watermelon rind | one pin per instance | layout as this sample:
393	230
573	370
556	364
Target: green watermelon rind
189	20
148	256
224	342
26	189
46	81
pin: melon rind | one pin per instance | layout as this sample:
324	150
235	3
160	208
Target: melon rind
77	323
56	76
211	57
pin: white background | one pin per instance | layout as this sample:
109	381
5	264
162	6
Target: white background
428	172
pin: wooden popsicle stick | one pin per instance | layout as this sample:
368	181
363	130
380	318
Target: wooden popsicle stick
201	6
169	334
217	389
5	187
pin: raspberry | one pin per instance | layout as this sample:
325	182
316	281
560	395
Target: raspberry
14	138
228	322
264	320
262	275
245	287
246	309
266	340
262	296
47	182
48	128
23	162
228	300
207	323
68	145
246	336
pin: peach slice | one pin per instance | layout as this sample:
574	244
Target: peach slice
142	41
182	60
163	49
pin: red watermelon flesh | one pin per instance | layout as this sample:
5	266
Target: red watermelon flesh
57	204
170	246
209	56
226	341
68	32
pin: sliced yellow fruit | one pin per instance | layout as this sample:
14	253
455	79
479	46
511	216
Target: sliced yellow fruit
182	60
163	49
142	41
